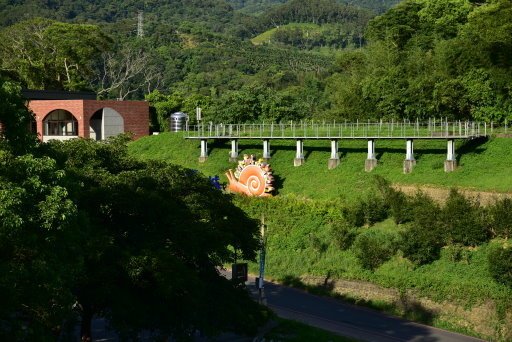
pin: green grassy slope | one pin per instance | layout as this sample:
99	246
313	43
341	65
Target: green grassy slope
482	165
267	36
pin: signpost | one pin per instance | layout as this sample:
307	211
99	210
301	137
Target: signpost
239	272
260	280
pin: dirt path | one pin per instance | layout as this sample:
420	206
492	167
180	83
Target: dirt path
441	194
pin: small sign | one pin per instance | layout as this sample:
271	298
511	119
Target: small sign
239	272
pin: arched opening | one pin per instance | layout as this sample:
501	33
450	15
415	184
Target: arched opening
60	124
105	123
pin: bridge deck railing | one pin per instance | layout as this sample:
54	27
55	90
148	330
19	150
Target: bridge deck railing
340	130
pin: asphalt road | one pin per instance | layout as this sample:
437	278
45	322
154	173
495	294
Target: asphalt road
347	319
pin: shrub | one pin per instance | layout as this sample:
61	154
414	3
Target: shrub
343	235
373	248
354	215
398	205
422	241
500	218
500	264
463	220
375	208
457	253
368	211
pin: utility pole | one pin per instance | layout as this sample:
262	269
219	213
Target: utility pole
261	293
140	24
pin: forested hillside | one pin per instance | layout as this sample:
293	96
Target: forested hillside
308	59
256	7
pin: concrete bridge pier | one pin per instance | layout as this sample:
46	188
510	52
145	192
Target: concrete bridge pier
299	155
334	161
409	161
266	150
233	155
371	160
450	164
204	151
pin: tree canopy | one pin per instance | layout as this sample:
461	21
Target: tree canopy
87	231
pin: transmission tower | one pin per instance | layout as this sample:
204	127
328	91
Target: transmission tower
140	24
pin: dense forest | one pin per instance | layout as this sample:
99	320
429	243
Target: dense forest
293	60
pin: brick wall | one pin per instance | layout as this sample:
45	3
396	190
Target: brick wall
135	113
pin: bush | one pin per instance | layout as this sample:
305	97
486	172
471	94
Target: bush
373	248
343	235
457	253
422	241
354	215
500	264
367	211
396	201
375	208
463	220
500	218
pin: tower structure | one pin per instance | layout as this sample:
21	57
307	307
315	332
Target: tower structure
140	24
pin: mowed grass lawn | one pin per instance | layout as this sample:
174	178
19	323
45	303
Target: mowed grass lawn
483	165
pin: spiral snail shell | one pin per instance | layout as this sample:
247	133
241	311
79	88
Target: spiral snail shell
253	180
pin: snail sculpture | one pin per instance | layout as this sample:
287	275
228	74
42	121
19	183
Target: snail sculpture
253	178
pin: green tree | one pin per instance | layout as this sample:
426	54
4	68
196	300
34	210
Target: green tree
15	119
373	248
157	234
39	248
500	218
463	220
500	264
424	237
44	54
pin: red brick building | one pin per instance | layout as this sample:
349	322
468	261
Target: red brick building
63	116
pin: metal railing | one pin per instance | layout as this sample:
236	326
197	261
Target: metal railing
433	129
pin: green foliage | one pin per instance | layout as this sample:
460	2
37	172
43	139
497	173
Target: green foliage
162	107
423	238
368	211
15	119
430	58
500	264
343	235
457	253
139	219
43	54
463	220
500	218
39	248
83	222
395	200
373	248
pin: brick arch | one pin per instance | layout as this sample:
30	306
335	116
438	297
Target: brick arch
62	124
104	123
41	109
53	110
135	114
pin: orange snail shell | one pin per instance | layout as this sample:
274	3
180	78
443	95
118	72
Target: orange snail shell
251	181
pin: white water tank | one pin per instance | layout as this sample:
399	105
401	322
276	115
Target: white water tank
178	121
